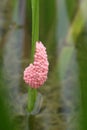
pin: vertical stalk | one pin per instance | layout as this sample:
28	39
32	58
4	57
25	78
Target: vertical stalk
35	24
32	93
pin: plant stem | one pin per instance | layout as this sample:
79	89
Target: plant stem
32	93
35	24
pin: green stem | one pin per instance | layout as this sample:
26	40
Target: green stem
35	24
32	93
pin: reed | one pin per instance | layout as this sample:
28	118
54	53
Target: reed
32	93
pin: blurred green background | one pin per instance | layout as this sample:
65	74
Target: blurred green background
63	30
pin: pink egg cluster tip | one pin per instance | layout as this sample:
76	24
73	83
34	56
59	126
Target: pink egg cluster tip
36	74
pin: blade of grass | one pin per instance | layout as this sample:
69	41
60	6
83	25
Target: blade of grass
68	49
76	27
66	54
32	93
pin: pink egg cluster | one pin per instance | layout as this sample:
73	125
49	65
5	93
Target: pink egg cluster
36	74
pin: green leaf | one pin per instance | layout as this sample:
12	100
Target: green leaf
74	32
64	60
76	27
